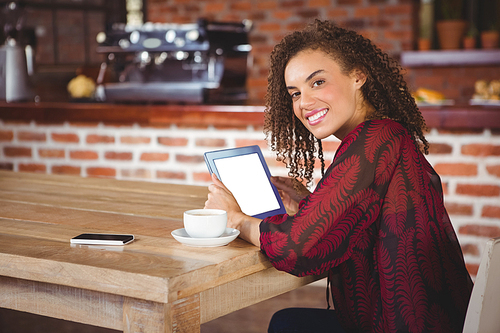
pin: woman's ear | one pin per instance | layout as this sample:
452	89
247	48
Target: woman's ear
359	77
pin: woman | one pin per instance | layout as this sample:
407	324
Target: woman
376	221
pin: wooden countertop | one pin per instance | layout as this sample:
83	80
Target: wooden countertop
450	117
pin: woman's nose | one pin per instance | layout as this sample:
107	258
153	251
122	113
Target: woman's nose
306	100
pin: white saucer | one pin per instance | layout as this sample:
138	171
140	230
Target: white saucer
227	237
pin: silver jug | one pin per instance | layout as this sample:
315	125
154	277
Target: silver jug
14	78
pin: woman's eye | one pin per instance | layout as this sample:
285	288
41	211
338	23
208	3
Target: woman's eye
318	83
295	94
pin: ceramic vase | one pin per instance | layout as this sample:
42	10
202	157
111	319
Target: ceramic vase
424	44
489	39
469	43
450	33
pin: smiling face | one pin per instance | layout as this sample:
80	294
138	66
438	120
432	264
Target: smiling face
327	101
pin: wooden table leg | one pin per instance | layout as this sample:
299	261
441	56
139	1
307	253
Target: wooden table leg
182	316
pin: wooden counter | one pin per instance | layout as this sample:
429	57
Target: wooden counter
468	117
192	115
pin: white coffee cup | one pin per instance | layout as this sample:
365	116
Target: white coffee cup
205	223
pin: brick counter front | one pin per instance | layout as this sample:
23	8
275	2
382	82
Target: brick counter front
166	144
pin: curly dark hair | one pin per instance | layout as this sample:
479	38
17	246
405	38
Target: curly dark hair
384	88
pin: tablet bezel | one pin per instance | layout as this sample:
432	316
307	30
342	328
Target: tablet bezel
212	156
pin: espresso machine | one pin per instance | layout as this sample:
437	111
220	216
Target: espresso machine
16	56
203	62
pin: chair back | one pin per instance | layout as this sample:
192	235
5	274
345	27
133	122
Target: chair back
483	313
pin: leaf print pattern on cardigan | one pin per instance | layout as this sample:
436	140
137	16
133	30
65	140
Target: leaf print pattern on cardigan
376	223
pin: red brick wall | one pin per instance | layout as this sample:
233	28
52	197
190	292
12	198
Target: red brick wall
388	24
391	25
468	162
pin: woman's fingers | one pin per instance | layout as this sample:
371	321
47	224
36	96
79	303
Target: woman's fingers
296	190
216	181
220	197
282	183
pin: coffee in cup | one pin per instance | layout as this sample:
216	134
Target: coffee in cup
205	223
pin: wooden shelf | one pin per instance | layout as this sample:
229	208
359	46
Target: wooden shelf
450	58
462	117
184	115
239	116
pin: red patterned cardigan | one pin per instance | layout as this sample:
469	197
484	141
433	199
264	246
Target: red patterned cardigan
377	223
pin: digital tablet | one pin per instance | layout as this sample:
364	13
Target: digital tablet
245	173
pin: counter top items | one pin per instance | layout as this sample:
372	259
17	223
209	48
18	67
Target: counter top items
202	62
81	86
429	97
102	239
154	284
245	173
14	79
490	39
227	237
486	93
205	223
16	55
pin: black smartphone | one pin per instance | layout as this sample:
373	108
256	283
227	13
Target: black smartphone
102	239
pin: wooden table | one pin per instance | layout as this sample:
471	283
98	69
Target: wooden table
154	284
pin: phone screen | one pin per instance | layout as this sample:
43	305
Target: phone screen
102	239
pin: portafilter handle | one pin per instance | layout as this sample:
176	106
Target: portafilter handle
102	71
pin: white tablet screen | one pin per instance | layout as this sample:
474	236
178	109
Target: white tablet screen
245	177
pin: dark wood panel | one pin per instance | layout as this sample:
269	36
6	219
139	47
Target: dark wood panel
451	117
477	117
188	115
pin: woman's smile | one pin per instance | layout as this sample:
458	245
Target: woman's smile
316	116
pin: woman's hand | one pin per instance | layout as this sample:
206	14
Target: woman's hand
291	191
219	197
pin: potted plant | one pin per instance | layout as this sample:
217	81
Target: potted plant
451	27
470	38
490	38
426	26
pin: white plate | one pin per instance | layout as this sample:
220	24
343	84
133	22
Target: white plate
227	237
442	102
486	102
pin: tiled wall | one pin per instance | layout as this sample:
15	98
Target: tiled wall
468	162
